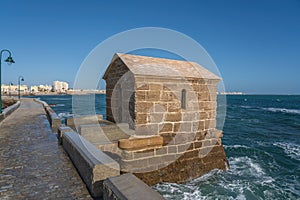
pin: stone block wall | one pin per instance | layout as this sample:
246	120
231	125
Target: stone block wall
119	93
159	110
152	105
187	157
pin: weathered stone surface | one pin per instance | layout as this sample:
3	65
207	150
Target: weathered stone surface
141	143
7	111
54	120
188	166
147	129
93	165
93	133
126	187
32	165
177	105
75	122
61	131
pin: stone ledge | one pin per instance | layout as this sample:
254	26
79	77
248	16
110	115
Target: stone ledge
75	121
54	120
93	133
141	143
61	131
93	165
128	187
7	111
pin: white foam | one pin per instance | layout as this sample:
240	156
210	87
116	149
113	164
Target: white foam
64	115
292	150
283	110
246	107
245	166
206	177
61	99
236	146
58	105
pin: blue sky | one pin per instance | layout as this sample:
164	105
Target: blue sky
255	44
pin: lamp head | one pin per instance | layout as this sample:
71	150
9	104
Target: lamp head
9	60
22	79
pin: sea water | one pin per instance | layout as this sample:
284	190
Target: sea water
262	144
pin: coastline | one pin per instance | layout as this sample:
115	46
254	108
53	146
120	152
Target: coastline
84	92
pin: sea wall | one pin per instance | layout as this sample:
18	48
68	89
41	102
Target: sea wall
93	165
101	173
128	187
7	111
53	118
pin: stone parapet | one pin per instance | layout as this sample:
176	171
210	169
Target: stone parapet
93	133
54	120
61	131
93	165
75	121
128	187
7	111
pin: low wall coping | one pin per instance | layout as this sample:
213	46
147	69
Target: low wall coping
93	165
10	109
76	121
139	143
54	120
61	131
128	187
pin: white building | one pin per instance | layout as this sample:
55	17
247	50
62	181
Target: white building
8	89
40	88
60	86
34	88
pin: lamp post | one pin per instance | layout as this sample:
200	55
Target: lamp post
21	78
9	61
10	84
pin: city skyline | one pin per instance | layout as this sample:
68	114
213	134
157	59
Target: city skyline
253	43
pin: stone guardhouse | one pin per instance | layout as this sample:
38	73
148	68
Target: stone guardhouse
168	110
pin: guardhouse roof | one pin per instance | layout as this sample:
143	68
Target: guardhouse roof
150	66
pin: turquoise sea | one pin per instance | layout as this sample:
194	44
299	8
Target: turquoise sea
262	143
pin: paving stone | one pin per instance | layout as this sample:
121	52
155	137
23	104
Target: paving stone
32	164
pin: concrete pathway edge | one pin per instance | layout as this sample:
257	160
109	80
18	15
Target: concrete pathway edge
7	111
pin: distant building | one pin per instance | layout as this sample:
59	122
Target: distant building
60	86
34	89
40	88
8	89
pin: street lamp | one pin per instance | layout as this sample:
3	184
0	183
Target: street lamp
10	84
21	78
9	61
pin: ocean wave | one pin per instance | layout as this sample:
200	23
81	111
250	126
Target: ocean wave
57	105
60	99
64	115
247	179
246	107
283	110
236	146
245	165
292	150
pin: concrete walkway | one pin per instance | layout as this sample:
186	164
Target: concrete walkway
32	164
